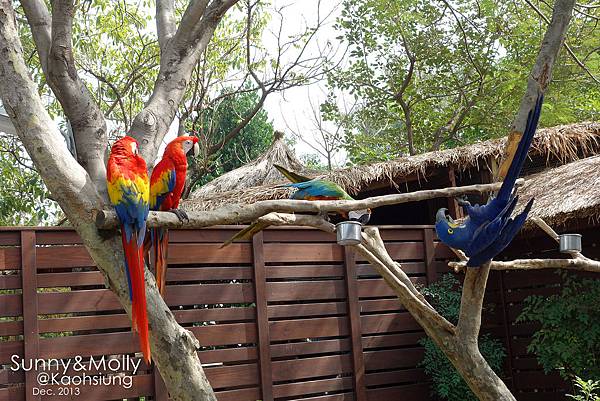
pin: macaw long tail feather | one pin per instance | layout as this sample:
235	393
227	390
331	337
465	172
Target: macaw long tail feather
160	244
290	175
134	262
246	233
508	233
128	260
521	154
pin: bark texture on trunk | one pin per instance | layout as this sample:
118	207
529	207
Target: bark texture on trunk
173	348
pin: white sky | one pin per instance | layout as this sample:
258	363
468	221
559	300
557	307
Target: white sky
292	107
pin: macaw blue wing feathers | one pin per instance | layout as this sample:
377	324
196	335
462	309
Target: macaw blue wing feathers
489	228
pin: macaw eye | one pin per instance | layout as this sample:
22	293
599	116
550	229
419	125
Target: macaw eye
450	231
134	148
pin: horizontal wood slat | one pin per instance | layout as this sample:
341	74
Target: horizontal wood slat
311	367
307	324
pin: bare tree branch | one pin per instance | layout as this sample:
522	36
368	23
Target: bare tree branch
540	76
476	278
177	62
40	22
471	303
374	251
165	21
231	214
565	44
579	263
54	47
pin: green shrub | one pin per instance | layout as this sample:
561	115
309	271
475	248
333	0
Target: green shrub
586	390
445	295
569	337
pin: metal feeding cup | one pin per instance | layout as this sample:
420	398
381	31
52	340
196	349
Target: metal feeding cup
570	243
348	232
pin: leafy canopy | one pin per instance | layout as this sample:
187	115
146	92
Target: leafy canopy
23	195
218	121
470	65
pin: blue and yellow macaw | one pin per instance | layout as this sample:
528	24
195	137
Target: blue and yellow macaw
489	229
307	189
128	190
317	189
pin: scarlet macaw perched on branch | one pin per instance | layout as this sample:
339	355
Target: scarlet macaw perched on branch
128	190
489	229
307	189
166	186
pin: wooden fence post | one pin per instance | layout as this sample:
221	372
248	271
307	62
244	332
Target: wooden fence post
262	318
31	337
355	326
428	244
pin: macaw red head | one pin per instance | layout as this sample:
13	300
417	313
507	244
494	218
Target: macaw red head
125	153
126	146
188	145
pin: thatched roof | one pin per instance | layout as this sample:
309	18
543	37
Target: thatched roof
256	173
565	143
565	193
562	142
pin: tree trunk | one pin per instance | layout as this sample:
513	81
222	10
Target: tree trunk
477	373
173	348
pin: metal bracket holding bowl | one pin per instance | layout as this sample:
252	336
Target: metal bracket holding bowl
569	243
348	232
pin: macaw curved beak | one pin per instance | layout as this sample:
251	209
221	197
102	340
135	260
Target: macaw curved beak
195	150
441	215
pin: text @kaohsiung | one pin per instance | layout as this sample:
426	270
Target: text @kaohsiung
68	374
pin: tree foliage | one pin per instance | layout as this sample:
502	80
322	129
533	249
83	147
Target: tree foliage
569	336
430	75
587	390
23	195
253	140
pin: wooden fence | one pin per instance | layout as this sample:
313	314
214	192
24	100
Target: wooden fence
289	315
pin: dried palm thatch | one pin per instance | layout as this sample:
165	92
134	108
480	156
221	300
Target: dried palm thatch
258	172
565	193
565	143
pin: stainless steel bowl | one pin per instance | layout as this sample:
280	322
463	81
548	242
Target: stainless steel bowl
348	232
570	243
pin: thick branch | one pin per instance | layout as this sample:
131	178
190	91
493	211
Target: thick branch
471	303
580	263
231	214
540	77
40	22
372	248
177	62
565	44
56	57
165	21
64	177
72	188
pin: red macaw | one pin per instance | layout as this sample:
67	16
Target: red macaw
166	186
128	190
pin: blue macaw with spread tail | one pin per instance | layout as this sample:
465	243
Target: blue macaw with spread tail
489	229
